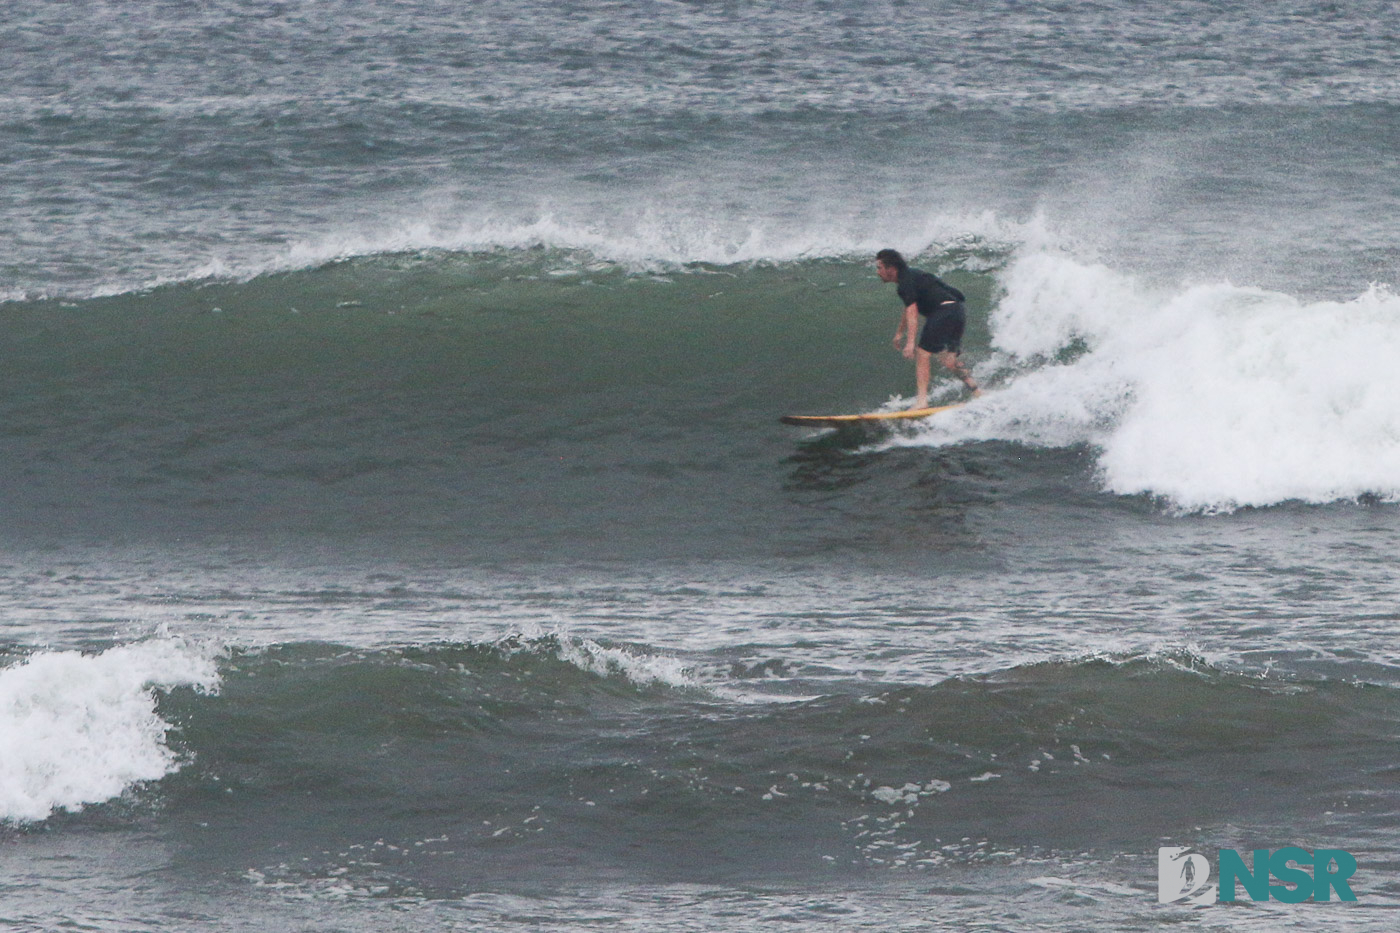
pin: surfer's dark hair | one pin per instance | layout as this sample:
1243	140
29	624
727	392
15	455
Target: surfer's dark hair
891	258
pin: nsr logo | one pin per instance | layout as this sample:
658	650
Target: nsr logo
1183	876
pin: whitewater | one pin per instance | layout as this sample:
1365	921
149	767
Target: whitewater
1208	397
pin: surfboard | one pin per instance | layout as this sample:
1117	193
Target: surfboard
871	418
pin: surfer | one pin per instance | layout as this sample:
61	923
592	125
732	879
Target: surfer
941	306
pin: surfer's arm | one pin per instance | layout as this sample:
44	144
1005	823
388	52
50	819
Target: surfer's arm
903	325
909	327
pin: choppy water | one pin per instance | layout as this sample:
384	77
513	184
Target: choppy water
396	531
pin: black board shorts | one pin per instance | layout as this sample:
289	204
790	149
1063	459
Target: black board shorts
943	329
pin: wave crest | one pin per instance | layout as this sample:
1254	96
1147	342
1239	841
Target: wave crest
77	729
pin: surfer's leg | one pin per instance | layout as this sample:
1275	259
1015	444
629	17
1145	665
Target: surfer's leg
954	365
922	367
942	337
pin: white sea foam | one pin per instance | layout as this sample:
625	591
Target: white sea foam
77	728
657	237
1212	397
588	655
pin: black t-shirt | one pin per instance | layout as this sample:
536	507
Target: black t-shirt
925	289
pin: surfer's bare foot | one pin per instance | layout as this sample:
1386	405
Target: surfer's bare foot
919	403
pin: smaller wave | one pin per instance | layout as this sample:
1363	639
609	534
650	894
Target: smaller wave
78	729
1211	397
523	751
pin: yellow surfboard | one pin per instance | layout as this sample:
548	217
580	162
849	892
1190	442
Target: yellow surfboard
874	417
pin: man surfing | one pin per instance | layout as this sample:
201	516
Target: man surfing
941	306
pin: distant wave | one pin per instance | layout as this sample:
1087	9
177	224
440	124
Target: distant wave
655	237
649	238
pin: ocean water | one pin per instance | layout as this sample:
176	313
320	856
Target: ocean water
397	533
